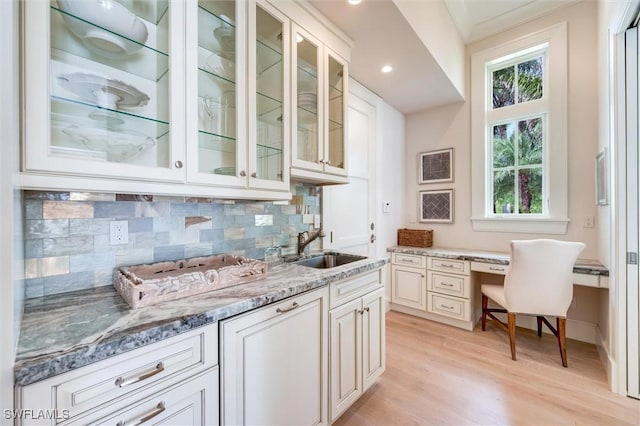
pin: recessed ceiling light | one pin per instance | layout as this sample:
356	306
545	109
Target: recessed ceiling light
354	2
387	69
299	38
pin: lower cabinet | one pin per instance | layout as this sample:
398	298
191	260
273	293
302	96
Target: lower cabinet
409	287
274	364
172	382
357	349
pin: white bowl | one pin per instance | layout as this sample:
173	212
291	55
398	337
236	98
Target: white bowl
108	17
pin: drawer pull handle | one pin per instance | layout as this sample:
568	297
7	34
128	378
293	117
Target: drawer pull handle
122	382
491	268
366	309
446	284
159	409
290	308
447	307
446	265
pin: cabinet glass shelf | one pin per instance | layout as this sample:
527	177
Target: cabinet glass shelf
269	109
267	58
215	33
265	151
213	142
147	62
79	111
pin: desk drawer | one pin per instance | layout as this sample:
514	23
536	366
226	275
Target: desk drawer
409	260
490	268
452	266
451	307
455	285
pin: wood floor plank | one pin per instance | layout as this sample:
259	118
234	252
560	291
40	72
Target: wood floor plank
441	375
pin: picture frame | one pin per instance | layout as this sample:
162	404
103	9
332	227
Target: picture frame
436	206
436	166
602	190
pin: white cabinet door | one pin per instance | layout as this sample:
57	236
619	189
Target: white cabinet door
273	364
409	287
346	356
373	337
102	99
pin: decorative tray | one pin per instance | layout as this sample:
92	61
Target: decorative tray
143	285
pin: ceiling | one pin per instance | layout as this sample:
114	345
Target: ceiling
383	36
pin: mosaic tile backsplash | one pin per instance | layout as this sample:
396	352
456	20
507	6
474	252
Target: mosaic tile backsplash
67	243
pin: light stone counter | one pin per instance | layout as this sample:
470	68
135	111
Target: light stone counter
62	332
582	266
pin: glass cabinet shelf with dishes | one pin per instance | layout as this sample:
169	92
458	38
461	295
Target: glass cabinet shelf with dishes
239	111
106	98
318	149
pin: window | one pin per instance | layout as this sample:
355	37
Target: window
519	137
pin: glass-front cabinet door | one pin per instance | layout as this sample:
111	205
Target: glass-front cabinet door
335	157
269	107
307	147
216	137
104	93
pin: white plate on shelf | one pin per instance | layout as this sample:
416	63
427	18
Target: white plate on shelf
104	92
105	26
117	145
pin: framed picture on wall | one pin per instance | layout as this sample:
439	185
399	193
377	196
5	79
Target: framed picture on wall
436	166
602	195
436	206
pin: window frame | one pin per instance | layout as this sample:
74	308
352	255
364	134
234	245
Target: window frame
552	105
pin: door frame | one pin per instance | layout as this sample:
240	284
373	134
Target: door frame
622	17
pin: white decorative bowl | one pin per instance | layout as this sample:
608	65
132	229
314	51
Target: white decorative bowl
115	31
222	64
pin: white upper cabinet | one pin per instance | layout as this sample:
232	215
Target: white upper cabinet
191	97
104	92
237	95
319	119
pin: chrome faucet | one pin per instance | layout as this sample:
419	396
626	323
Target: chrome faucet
305	238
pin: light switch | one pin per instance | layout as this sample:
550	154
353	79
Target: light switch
316	221
386	207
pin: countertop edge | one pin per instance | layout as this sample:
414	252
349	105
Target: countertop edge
590	267
35	369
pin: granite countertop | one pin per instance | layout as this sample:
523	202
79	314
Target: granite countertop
582	266
62	332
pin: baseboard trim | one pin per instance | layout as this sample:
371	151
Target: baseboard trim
607	360
437	318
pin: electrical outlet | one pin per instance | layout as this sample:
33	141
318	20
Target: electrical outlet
119	232
589	222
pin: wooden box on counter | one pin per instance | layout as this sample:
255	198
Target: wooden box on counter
144	285
415	237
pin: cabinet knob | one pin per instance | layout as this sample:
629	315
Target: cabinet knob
178	164
254	175
321	161
243	173
328	162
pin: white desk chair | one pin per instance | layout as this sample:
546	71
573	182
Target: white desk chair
538	282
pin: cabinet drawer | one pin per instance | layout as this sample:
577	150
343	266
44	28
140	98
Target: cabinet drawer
490	268
409	260
452	307
112	380
347	290
449	265
455	285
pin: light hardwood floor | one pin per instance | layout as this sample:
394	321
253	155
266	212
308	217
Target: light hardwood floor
441	375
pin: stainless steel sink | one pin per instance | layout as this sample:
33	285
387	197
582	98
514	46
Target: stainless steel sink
329	260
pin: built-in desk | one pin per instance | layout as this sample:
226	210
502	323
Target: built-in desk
589	273
442	284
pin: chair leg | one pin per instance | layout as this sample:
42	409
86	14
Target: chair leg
561	324
485	303
511	319
539	318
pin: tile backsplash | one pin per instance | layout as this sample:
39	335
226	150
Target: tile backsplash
67	235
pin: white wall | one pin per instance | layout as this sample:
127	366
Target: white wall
390	176
12	289
432	23
449	126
